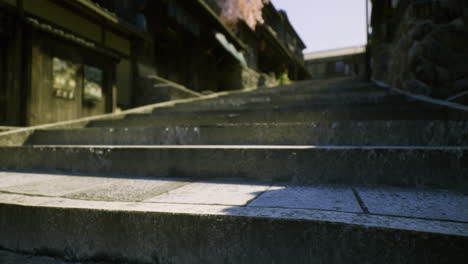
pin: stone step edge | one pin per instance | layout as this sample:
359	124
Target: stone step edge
404	166
268	124
246	147
362	219
160	233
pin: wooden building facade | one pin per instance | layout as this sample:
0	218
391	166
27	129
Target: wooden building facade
62	60
59	60
280	47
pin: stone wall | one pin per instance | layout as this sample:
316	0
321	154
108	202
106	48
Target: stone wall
422	46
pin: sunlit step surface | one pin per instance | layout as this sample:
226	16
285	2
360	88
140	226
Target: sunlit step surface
142	220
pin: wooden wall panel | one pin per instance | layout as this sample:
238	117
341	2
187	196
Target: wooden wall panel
48	108
58	15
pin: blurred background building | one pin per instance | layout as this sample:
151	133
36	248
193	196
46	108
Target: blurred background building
62	60
337	63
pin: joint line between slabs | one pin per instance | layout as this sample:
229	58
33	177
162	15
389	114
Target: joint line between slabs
360	201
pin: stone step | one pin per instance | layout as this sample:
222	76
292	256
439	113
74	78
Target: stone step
121	220
236	203
222	117
377	97
444	167
306	92
318	87
319	100
388	133
301	107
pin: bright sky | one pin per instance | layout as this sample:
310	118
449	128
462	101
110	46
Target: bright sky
327	24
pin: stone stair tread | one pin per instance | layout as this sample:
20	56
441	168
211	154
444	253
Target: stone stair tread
392	165
363	108
300	93
306	102
229	117
402	222
312	86
419	203
323	106
133	191
299	97
420	132
302	114
221	212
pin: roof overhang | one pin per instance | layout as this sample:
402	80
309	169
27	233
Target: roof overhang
103	15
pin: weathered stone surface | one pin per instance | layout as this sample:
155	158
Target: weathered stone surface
7	257
119	212
400	166
310	197
80	230
128	189
220	117
8	179
442	205
58	187
290	99
215	224
417	87
385	104
400	133
211	193
423	42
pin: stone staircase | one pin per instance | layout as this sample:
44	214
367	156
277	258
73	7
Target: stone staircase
312	172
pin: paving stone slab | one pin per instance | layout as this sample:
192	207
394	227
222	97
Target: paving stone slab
126	232
60	186
8	179
310	197
212	193
392	222
129	190
443	205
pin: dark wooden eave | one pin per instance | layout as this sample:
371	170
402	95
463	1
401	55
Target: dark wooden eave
102	15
